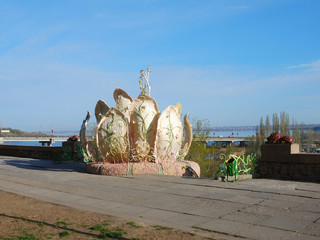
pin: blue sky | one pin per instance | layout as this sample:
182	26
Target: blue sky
230	62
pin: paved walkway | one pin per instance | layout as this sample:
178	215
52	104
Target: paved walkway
255	209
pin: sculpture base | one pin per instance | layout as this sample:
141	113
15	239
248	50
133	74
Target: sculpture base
176	168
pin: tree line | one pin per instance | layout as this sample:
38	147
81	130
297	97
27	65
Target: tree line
18	133
301	134
208	157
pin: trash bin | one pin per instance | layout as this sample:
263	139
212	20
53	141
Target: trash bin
231	164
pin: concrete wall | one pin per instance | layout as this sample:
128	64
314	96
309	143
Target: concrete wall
284	161
39	152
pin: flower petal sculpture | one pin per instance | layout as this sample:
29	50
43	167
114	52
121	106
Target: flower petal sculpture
133	138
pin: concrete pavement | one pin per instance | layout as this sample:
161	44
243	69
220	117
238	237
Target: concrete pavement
253	209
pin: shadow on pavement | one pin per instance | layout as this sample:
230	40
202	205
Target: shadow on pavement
45	165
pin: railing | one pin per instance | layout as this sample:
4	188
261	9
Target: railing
32	139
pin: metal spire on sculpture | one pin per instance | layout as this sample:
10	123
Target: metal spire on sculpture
143	86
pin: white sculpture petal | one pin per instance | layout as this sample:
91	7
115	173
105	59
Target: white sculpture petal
143	127
169	134
112	137
123	102
188	135
101	110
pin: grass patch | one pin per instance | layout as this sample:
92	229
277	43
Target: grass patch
204	229
133	224
97	227
105	223
25	236
41	224
107	233
28	236
158	227
64	234
62	223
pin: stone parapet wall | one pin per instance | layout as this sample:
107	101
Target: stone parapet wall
284	161
38	152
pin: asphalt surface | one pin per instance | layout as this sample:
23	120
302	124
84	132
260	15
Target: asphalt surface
252	209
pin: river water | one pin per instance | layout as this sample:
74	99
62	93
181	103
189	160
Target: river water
247	133
212	134
32	143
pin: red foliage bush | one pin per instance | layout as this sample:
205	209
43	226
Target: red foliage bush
278	138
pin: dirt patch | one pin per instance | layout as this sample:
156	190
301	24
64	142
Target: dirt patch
24	218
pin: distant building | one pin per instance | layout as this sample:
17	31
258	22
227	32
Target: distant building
3	131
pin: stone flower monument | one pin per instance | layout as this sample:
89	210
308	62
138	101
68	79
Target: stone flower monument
134	138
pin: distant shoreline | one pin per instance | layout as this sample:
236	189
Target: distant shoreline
68	133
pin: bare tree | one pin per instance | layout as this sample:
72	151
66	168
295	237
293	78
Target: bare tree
295	131
268	126
275	123
287	128
310	139
262	132
285	124
303	135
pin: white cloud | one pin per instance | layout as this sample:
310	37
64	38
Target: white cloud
311	67
226	95
236	95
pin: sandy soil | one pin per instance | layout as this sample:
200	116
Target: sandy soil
24	218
